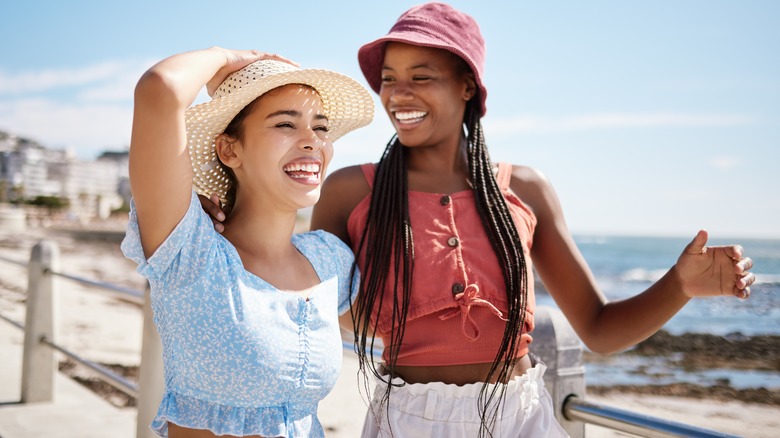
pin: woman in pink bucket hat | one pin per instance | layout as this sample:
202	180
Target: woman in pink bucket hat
445	239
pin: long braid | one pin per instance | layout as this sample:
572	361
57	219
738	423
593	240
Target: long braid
387	240
505	239
388	227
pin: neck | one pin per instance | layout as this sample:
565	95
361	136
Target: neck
260	232
441	169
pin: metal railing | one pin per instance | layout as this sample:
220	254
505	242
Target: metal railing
576	409
44	257
554	341
38	361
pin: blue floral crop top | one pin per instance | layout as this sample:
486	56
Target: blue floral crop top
240	356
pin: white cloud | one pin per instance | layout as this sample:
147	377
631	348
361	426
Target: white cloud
110	80
118	87
524	123
44	80
724	162
99	118
88	128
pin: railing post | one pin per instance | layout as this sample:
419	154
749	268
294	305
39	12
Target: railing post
38	360
150	376
556	343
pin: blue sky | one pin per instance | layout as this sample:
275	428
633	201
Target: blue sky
653	118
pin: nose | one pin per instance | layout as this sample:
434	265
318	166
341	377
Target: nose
400	92
311	142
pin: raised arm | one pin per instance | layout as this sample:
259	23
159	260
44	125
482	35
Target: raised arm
160	168
604	326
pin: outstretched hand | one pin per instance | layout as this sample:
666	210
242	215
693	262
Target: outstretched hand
213	208
714	270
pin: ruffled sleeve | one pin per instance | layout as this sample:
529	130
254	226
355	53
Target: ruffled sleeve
179	252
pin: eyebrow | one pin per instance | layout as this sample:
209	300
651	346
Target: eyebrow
293	113
414	67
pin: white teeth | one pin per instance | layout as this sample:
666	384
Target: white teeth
298	167
409	115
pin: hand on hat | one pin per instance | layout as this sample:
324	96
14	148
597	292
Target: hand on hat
236	60
714	270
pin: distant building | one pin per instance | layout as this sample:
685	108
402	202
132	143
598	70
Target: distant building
121	161
92	188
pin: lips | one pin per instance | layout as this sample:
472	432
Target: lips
409	117
303	172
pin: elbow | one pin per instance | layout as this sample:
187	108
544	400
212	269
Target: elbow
156	88
152	80
603	346
601	349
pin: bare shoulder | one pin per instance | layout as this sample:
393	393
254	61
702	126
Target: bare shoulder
341	192
349	176
533	187
528	181
345	186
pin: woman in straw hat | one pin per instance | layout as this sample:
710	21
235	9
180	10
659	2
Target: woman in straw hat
445	238
248	319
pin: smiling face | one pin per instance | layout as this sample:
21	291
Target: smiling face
282	149
424	92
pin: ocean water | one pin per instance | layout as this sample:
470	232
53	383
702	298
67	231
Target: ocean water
626	266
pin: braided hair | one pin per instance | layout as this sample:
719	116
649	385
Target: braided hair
388	238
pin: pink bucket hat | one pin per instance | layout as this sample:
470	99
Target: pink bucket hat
434	25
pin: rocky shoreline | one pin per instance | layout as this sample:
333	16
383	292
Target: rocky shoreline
698	351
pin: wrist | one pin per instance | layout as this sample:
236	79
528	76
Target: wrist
677	282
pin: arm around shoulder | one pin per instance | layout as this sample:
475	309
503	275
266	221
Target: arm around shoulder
341	192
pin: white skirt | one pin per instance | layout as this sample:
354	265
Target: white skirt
442	410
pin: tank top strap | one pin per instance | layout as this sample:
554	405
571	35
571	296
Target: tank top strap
504	175
369	171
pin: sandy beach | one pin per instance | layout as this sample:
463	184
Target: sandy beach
107	330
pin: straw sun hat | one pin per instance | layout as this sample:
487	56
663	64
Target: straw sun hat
346	103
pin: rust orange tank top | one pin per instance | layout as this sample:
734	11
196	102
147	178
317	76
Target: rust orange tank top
458	302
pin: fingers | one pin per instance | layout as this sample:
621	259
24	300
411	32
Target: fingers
744	265
735	252
697	244
211	206
742	286
746	281
216	207
742	268
217	218
218	227
258	55
279	58
237	59
742	293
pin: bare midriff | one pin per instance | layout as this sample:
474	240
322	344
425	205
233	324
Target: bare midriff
458	374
